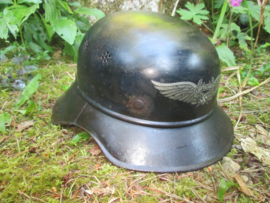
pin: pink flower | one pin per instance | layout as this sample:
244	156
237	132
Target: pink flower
235	3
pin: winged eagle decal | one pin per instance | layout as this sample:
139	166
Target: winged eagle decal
188	91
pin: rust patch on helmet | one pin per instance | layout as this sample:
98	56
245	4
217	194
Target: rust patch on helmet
140	105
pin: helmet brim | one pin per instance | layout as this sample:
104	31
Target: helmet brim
145	148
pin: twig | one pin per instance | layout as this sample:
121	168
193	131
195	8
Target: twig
197	195
244	92
70	76
72	156
30	197
170	195
240	100
175	6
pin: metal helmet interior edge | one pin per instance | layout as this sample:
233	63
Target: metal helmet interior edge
146	91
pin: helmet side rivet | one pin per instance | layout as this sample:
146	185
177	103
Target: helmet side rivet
138	104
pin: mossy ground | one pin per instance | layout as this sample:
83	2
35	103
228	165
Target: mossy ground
40	165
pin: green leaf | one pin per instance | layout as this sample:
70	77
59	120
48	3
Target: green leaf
65	87
5	119
239	9
197	13
30	1
253	81
66	29
29	90
76	4
218	3
49	29
31	106
35	47
79	137
64	5
3	29
242	37
223	187
226	55
254	10
15	15
90	11
82	23
8	49
73	49
51	10
6	2
267	24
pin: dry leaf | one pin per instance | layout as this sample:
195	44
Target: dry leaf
138	188
13	123
244	188
24	125
262	131
249	145
95	150
102	191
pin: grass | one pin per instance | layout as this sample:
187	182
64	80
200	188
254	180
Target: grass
39	164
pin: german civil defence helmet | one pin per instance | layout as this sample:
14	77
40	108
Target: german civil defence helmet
146	91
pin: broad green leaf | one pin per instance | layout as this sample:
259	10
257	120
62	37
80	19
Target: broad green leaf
267	24
3	29
31	106
49	29
65	87
79	137
6	2
226	55
30	1
254	10
64	5
196	13
15	15
82	23
223	187
73	49
218	3
242	37
253	81
5	119
90	11
51	10
35	47
239	9
66	29
29	90
8	49
76	4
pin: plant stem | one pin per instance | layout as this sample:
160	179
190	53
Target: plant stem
20	29
220	20
251	44
228	29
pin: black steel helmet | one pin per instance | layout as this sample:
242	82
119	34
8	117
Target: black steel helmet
146	91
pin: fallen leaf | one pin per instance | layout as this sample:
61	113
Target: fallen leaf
103	191
244	188
95	150
262	131
57	54
249	145
24	125
223	94
138	188
13	123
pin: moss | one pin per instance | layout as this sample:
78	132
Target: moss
251	119
265	117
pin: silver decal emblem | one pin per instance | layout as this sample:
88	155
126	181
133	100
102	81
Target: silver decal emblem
188	91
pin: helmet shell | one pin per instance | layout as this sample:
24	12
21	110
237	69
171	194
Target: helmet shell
146	90
148	66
